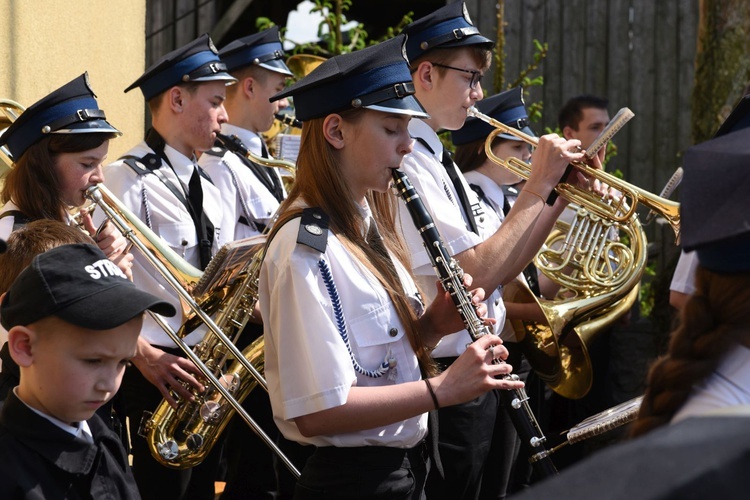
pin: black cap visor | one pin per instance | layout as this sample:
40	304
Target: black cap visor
408	105
277	66
88	127
96	312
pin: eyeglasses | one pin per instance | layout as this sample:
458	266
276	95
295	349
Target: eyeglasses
476	76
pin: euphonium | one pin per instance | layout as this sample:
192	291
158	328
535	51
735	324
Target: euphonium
598	259
183	437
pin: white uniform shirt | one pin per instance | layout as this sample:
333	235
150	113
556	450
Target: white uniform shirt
427	174
728	385
171	221
307	365
683	280
260	202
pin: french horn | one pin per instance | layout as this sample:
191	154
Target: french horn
601	274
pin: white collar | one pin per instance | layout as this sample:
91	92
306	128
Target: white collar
251	140
81	430
419	128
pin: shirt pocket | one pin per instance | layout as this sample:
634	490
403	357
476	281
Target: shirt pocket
374	335
178	235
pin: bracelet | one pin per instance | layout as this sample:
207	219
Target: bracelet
432	394
535	194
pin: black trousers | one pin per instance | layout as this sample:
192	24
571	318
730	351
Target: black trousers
364	473
478	446
156	481
254	471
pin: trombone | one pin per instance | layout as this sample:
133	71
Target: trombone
148	244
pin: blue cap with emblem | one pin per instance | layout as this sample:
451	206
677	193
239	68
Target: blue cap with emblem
506	107
260	49
71	109
198	61
376	77
449	26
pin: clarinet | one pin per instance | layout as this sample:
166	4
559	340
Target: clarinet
450	275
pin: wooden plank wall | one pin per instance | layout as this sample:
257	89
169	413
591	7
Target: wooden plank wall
637	53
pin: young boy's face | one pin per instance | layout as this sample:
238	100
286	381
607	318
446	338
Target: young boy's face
68	372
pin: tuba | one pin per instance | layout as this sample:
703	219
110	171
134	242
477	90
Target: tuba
183	437
600	274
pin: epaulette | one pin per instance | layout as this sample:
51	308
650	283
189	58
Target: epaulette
313	229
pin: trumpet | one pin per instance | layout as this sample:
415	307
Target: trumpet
620	212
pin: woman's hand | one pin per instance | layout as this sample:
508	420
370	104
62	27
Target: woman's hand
442	317
474	373
111	242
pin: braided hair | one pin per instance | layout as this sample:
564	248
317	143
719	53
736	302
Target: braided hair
715	319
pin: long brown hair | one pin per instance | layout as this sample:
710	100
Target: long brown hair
715	318
32	183
319	183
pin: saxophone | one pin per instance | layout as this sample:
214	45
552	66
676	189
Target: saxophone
450	275
183	437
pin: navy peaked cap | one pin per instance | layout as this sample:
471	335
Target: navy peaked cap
71	109
449	26
197	61
506	107
715	208
260	49
376	77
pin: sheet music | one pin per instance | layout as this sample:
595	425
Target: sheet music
228	264
289	146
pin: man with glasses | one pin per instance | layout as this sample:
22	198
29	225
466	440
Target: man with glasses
448	58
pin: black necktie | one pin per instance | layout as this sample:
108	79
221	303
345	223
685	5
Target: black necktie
453	175
203	227
263	149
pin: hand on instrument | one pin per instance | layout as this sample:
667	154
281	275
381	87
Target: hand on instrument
167	372
125	263
474	372
107	237
549	161
442	315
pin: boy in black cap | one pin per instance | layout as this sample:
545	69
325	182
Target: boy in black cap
362	380
58	145
72	329
448	57
159	181
252	192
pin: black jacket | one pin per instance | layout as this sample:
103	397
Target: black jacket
38	460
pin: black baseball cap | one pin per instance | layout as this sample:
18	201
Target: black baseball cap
80	285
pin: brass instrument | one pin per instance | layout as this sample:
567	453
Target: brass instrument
621	212
235	145
300	65
11	110
600	274
182	438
